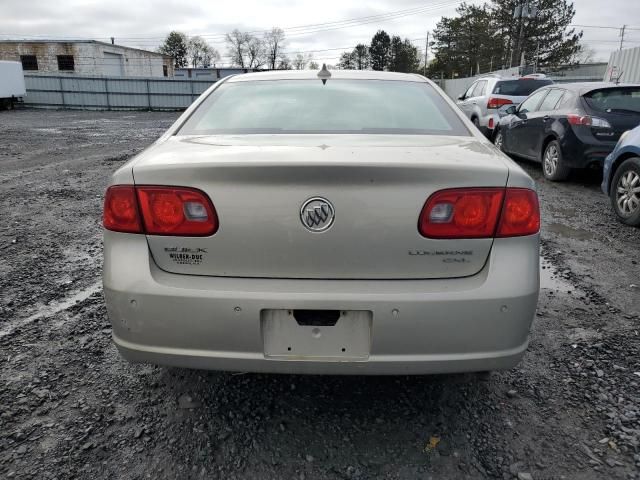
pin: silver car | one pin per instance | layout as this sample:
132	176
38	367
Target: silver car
487	99
346	222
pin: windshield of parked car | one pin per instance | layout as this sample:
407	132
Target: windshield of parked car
339	106
619	99
521	87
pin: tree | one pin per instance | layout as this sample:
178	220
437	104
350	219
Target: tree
274	42
347	61
284	63
256	54
245	50
586	54
379	50
313	65
237	47
466	43
362	58
403	56
200	53
175	45
483	38
301	61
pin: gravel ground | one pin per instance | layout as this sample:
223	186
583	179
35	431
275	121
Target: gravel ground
71	408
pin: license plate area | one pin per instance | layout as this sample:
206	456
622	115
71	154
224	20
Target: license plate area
349	338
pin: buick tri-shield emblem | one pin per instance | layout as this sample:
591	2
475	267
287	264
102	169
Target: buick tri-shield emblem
317	214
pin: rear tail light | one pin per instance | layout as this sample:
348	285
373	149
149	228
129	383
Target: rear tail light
588	121
491	124
121	210
480	213
157	210
498	102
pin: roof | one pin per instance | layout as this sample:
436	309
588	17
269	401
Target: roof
586	87
313	74
97	42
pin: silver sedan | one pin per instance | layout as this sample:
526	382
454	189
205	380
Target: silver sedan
338	222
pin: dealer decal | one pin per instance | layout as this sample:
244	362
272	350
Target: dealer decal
186	255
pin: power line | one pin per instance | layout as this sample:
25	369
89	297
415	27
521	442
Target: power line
301	29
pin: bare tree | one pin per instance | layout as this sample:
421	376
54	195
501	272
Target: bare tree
586	54
300	62
210	57
200	53
274	43
255	52
237	47
284	63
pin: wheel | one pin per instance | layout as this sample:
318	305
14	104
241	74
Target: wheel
625	192
498	140
553	166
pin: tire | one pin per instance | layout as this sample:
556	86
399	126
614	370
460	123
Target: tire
625	192
498	140
553	167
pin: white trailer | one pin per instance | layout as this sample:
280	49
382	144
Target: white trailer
12	85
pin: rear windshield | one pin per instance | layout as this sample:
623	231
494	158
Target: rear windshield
521	87
339	106
619	99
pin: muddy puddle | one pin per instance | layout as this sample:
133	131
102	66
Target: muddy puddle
550	279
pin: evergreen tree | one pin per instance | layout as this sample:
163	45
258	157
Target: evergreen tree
379	50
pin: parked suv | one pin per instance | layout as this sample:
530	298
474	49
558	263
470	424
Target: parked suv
486	100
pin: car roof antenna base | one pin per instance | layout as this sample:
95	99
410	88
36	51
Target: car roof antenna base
324	74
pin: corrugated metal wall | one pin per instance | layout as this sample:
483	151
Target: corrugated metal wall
112	93
624	65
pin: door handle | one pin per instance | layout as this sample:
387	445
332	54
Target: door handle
546	118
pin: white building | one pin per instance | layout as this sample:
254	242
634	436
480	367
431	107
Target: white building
85	57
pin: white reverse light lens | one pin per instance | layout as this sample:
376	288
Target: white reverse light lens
195	211
441	213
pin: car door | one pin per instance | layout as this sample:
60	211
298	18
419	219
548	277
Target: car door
540	122
520	130
476	99
464	101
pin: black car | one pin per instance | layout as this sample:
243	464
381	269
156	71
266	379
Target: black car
567	126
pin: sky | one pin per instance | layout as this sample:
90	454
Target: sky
322	28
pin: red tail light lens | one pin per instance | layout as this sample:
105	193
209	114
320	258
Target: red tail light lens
461	213
480	213
121	210
498	102
176	211
579	119
520	213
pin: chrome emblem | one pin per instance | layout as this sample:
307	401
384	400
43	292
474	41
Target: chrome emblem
317	214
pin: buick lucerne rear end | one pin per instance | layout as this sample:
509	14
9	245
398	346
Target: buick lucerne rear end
339	223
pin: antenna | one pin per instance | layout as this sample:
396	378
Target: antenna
324	74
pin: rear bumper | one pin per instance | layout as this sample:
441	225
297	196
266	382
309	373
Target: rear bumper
584	150
418	326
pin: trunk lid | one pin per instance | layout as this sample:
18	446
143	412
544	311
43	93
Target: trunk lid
377	186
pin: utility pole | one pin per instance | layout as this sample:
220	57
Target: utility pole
522	12
624	27
426	54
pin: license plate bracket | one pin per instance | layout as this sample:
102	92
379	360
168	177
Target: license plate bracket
349	339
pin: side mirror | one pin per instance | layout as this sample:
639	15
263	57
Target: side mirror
511	110
461	96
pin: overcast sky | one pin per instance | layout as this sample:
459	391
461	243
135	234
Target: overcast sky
144	23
